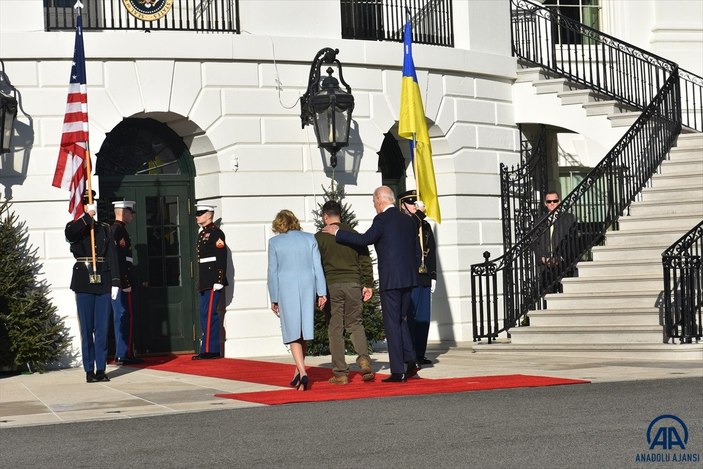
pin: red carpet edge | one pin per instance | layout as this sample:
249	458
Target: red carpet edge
280	374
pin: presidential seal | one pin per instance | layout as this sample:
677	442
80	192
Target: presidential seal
148	10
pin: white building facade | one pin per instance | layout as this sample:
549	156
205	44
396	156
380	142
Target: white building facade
224	109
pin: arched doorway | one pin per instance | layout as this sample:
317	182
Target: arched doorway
145	161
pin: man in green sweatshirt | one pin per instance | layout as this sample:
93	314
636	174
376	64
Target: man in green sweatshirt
349	276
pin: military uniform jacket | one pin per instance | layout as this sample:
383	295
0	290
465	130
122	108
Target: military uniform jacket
124	253
78	235
430	247
212	257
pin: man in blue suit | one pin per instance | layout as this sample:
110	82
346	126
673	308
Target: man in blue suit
393	235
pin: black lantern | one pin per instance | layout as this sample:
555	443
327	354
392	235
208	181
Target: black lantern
8	113
327	106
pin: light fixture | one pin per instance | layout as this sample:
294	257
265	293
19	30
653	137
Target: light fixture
327	106
8	114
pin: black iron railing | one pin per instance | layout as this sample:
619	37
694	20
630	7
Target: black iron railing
691	100
521	187
683	286
383	20
184	15
535	265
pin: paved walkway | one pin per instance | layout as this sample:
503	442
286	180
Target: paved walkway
64	396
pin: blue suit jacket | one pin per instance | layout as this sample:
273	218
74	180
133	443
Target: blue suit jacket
394	235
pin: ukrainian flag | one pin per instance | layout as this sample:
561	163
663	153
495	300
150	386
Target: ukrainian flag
413	126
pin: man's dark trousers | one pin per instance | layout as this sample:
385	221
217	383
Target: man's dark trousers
395	306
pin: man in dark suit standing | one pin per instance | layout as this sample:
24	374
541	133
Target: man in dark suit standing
393	235
556	246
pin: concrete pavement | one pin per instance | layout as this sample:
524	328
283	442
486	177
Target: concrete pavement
63	396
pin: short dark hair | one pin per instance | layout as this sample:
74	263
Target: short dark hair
332	208
551	192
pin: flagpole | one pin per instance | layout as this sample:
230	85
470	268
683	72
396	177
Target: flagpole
422	269
89	181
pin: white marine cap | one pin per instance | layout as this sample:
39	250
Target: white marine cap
125	204
204	207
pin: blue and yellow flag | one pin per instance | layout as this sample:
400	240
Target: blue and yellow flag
412	125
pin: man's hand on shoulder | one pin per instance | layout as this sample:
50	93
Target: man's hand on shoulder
330	229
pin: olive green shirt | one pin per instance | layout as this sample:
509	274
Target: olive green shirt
342	263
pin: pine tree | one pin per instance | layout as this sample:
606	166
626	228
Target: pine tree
31	334
372	319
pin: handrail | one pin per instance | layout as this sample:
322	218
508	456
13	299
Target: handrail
595	204
682	301
520	187
691	100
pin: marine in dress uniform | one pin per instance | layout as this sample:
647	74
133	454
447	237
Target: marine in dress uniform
123	305
212	278
419	321
94	287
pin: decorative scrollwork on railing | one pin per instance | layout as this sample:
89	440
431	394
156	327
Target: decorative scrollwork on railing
595	204
682	300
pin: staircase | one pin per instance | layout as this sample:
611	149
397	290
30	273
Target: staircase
612	310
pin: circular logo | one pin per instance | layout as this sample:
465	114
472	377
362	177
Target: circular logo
148	10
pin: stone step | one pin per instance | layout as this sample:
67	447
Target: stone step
553	85
619	268
603	108
587	334
531	74
595	300
678	179
663	237
686	153
623	119
625	252
690	140
653	222
615	351
651	194
576	97
681	165
605	284
613	317
680	205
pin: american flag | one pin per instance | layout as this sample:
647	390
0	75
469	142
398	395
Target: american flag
70	171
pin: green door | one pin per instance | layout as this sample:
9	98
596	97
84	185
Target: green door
163	238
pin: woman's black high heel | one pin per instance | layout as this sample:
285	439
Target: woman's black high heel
303	383
295	381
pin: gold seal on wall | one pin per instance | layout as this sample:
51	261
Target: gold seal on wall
148	10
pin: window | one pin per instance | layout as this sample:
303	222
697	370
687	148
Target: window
582	11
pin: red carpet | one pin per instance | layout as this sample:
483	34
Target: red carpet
279	374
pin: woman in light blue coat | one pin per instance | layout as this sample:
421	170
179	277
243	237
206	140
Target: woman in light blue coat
295	280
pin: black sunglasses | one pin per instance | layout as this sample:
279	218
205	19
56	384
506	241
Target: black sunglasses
200	213
554	201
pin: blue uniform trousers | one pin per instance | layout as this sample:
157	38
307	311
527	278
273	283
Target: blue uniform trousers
209	321
395	306
94	317
419	319
122	323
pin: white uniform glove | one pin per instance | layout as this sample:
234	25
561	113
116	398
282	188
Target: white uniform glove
114	292
217	286
92	208
127	290
433	285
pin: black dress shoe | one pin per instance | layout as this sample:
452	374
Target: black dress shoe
412	369
90	377
394	378
206	356
128	361
101	376
425	361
